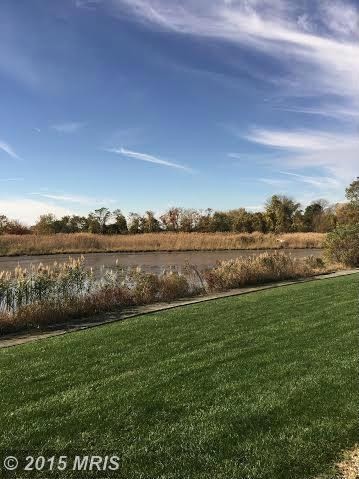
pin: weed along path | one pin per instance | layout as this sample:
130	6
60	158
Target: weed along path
15	339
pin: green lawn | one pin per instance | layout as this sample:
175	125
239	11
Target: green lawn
258	386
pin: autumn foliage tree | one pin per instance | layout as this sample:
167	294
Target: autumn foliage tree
281	215
343	243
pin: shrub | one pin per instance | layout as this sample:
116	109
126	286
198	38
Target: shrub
173	286
342	245
260	269
314	262
144	286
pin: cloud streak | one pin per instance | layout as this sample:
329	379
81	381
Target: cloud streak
329	111
301	140
148	158
316	48
69	198
321	54
317	181
69	127
336	153
8	150
11	179
87	4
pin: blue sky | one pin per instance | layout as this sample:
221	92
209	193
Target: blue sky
146	104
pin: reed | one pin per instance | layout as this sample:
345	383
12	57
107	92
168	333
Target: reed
41	295
266	267
12	245
57	283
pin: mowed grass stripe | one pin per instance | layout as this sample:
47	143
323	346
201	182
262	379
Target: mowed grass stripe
259	386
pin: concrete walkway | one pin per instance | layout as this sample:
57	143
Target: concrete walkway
106	318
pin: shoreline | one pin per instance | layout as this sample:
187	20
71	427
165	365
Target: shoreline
152	251
23	336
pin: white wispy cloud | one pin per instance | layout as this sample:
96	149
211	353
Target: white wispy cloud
69	127
336	153
318	61
8	150
317	181
341	162
146	157
69	198
342	18
329	111
325	183
11	179
316	44
87	4
235	156
307	140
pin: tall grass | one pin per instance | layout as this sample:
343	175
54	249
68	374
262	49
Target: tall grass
266	267
48	295
86	242
59	282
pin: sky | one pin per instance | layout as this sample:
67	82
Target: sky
147	104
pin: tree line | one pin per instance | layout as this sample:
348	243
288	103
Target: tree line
281	215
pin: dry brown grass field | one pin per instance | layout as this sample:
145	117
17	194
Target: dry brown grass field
12	245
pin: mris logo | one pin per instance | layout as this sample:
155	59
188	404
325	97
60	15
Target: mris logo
96	463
